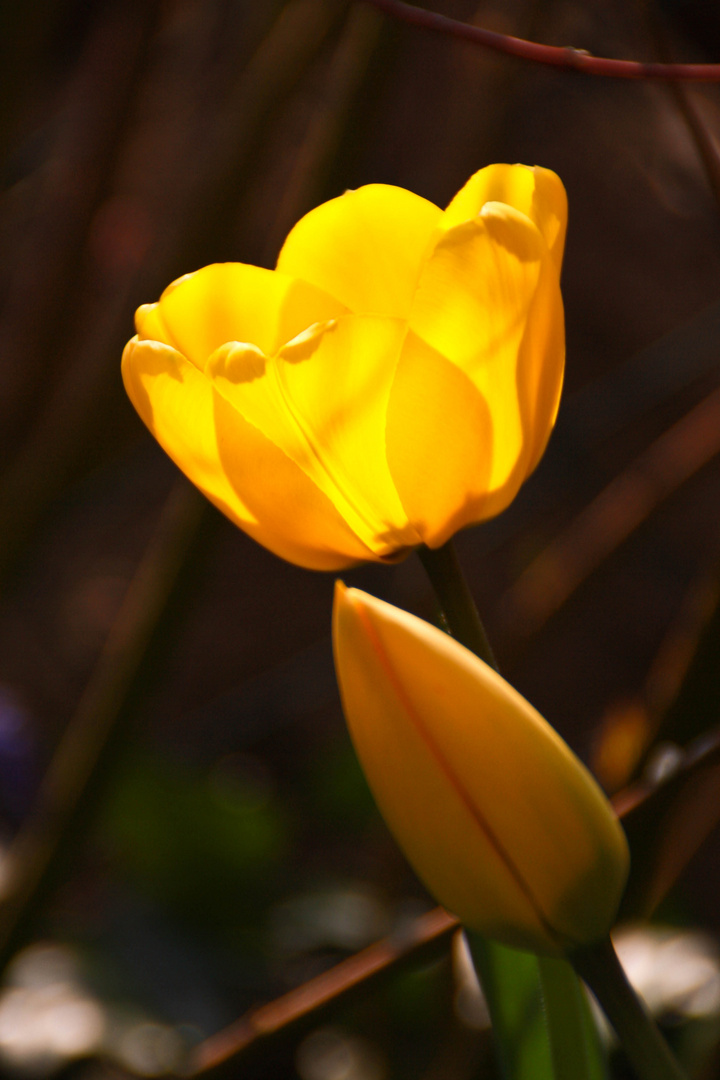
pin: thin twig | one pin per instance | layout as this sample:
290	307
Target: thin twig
72	414
428	935
687	104
91	737
559	56
90	121
612	516
346	73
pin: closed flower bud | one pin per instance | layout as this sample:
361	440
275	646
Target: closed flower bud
394	379
500	820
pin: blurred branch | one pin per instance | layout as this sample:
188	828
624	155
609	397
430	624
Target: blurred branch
566	57
613	515
69	183
484	93
687	106
348	67
296	37
35	853
429	935
704	142
75	411
603	409
680	700
424	939
666	823
39	846
695	705
24	32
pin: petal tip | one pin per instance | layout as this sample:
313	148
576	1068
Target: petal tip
341	590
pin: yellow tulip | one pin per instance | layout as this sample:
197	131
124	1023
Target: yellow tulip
394	379
505	826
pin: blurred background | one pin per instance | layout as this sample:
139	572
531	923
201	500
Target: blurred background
184	831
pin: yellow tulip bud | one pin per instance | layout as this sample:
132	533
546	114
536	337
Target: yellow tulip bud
394	379
505	826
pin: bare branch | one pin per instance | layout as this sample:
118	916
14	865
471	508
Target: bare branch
566	57
428	933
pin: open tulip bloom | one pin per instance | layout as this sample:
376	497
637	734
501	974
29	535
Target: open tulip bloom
393	380
498	817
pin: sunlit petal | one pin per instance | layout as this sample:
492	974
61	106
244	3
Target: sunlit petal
295	519
477	305
175	401
536	192
365	248
541	367
150	325
236	302
404	362
439	443
232	463
323	401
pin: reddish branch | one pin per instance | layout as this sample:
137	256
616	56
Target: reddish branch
565	57
286	1014
429	934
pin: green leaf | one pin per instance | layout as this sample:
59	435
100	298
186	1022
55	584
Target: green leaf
573	1036
541	1019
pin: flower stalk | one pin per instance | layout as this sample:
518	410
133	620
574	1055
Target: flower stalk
597	964
458	608
647	1050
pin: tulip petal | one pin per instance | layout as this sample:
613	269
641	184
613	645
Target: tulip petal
505	826
541	368
439	443
295	519
233	464
365	248
233	302
421	801
322	401
175	402
478	303
151	326
536	192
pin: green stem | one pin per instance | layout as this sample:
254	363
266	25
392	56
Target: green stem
541	1023
455	598
645	1047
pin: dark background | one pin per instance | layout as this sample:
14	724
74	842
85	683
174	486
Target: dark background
226	847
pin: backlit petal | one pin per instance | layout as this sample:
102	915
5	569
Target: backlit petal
365	248
150	325
403	365
295	519
236	302
502	822
541	368
176	403
439	443
323	402
233	464
476	305
536	192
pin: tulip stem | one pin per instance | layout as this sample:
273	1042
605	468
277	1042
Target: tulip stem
456	601
639	1036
